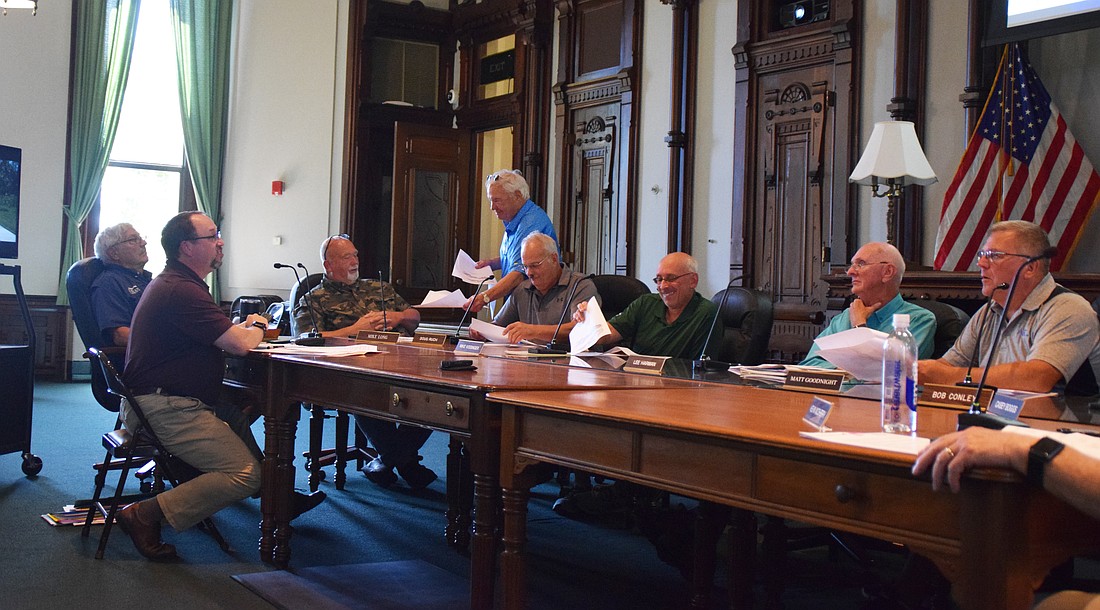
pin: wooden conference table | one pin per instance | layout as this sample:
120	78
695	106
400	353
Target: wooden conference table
404	383
740	446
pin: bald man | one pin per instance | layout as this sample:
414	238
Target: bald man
876	272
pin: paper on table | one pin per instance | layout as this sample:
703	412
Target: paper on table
585	334
442	298
898	443
858	351
321	350
492	332
466	271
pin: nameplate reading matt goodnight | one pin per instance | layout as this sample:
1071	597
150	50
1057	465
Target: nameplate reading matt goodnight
951	396
645	364
432	340
824	381
376	336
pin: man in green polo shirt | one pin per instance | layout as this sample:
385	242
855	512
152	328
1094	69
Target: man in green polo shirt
674	322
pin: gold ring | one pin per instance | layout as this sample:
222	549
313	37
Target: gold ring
949	452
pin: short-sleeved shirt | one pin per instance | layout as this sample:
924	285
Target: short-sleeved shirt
115	294
1061	330
528	306
172	337
644	330
922	324
337	304
529	219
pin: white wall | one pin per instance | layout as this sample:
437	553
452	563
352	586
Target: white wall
653	114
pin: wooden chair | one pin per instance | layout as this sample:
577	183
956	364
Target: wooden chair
132	448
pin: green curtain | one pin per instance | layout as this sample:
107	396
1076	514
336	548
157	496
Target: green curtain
104	43
203	31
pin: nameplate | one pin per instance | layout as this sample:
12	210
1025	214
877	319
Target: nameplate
823	381
951	396
652	365
376	336
1008	407
818	413
432	340
470	347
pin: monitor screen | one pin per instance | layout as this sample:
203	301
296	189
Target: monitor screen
1015	20
10	165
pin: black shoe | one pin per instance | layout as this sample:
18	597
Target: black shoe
378	473
302	502
416	475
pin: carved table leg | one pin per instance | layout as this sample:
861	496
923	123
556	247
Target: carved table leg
512	559
341	449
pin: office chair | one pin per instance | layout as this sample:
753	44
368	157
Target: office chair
618	291
746	317
950	322
133	447
78	283
318	457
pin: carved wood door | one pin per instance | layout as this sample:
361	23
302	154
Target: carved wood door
595	231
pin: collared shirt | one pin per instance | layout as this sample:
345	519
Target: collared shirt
528	219
922	324
1060	330
115	294
172	337
644	330
338	305
527	305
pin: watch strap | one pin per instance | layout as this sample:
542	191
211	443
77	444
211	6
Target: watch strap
1041	453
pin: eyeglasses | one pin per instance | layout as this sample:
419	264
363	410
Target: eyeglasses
535	265
860	264
493	177
133	239
668	279
216	236
994	256
324	247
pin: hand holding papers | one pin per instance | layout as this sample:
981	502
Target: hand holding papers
858	351
466	270
442	298
586	333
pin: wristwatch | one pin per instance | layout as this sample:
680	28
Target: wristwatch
485	297
260	325
1040	454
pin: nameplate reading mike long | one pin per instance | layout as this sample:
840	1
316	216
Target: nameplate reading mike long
825	381
376	336
432	340
645	364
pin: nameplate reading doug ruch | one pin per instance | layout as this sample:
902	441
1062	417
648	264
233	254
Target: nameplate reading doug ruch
376	336
825	381
951	396
433	340
645	364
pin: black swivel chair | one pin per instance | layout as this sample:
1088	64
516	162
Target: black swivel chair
950	322
618	291
318	457
746	317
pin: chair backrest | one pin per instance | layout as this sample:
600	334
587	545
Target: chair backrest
78	284
746	316
950	322
116	387
296	292
618	291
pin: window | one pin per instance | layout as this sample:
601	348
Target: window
145	179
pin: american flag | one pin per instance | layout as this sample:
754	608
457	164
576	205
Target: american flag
1021	163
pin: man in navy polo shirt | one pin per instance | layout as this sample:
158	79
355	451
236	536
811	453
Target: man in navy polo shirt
116	291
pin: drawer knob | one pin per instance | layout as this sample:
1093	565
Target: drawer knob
844	494
396	399
449	409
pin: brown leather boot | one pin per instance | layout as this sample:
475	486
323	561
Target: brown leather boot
144	530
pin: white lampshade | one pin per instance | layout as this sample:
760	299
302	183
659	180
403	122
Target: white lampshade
893	152
6	4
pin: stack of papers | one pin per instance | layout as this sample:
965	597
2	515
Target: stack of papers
585	334
858	351
491	332
465	269
775	374
320	350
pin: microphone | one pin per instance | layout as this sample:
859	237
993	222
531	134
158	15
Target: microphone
976	416
704	362
311	338
553	346
967	381
455	337
382	298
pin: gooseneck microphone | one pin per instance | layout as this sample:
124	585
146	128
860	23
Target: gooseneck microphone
311	338
705	362
976	416
466	314
382	300
553	346
974	357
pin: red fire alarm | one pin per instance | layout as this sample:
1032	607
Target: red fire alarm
277	187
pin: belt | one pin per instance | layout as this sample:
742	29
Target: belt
145	391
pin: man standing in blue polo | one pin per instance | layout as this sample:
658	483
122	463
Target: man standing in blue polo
510	200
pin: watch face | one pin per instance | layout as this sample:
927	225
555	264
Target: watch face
1046	448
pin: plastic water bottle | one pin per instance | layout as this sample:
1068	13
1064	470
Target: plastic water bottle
899	379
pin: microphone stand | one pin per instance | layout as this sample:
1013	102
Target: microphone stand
312	338
382	301
976	416
705	362
967	382
553	346
455	337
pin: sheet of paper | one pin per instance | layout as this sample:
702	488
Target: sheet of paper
585	334
898	443
442	298
321	350
491	332
465	270
858	351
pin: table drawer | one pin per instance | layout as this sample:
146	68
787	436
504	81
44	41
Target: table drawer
432	407
874	498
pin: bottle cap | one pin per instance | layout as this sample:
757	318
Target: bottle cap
901	320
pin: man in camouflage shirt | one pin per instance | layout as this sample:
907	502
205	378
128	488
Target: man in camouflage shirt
344	305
